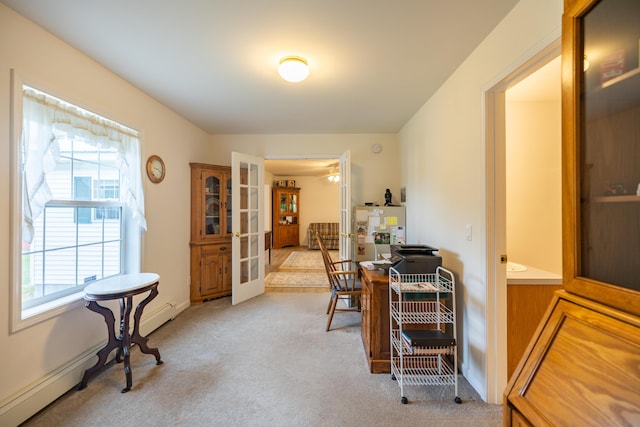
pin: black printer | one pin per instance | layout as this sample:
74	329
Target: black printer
414	259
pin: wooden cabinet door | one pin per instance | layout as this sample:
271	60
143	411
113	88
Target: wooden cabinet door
210	202
601	170
211	271
216	269
214	212
226	272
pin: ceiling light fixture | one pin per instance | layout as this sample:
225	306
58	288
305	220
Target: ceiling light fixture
334	176
293	69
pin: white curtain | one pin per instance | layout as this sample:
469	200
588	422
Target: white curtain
45	117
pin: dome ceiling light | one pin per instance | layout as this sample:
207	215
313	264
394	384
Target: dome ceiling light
293	69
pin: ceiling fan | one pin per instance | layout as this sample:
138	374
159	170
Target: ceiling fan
333	175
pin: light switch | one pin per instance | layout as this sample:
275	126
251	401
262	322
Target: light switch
469	232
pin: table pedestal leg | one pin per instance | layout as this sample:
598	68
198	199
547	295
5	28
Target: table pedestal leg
136	337
112	343
125	339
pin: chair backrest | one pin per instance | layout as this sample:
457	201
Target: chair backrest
339	279
326	258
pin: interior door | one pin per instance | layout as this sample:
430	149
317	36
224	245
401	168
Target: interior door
247	189
346	244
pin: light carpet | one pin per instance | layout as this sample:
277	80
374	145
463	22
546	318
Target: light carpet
280	279
303	260
265	362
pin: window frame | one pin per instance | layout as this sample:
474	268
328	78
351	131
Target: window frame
20	318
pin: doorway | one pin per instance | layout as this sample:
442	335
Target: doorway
496	154
319	197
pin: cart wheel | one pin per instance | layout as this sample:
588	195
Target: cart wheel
404	400
393	377
457	400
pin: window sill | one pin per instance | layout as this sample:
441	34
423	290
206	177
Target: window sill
42	312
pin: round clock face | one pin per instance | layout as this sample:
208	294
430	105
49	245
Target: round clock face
155	169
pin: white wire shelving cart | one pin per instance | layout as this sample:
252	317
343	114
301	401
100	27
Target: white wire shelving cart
423	330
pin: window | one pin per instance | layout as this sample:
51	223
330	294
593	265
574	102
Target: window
106	189
81	204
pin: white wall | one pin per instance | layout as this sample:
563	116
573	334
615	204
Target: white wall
443	167
51	356
534	191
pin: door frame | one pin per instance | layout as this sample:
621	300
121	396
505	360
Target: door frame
496	244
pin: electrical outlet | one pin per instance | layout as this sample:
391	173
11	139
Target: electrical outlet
469	231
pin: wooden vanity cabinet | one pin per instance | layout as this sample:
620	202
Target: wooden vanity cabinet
581	367
210	232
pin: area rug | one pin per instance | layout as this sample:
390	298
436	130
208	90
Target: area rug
281	279
306	260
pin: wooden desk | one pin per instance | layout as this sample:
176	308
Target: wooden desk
122	287
375	320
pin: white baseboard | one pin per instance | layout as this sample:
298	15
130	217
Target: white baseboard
28	401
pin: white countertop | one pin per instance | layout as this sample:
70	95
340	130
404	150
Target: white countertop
122	283
533	276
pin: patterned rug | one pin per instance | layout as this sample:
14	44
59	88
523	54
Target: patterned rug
296	280
306	260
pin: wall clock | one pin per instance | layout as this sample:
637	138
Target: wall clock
155	169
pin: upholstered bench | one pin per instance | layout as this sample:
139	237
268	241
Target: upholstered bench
329	233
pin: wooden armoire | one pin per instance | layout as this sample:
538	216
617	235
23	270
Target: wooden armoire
582	367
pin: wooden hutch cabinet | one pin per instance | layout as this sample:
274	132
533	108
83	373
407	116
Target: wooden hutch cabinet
285	222
581	367
210	232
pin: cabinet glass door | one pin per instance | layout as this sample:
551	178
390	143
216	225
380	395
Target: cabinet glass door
293	206
212	205
283	203
609	158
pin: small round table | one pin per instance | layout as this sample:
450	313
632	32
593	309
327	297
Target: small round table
122	287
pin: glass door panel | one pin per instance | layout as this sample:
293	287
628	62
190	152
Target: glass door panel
212	205
610	156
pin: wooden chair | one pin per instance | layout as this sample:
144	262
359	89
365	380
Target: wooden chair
344	284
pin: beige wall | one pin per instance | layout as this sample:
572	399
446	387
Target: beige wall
371	173
443	164
40	354
534	191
